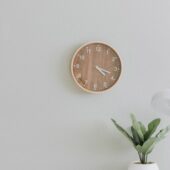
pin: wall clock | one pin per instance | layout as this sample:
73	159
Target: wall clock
96	67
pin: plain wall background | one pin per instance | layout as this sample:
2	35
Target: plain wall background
46	121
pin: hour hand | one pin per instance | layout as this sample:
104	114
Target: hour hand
100	70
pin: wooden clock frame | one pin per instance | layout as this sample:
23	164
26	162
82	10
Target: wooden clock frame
73	58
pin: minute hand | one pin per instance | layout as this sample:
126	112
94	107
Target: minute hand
106	71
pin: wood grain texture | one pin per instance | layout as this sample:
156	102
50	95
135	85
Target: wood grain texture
96	67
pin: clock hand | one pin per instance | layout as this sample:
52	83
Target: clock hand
106	71
99	69
103	70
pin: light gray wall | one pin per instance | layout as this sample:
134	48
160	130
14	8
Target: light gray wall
46	121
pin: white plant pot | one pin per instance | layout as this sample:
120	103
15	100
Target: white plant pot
139	166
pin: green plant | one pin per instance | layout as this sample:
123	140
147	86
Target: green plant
142	138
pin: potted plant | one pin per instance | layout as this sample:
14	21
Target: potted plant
143	140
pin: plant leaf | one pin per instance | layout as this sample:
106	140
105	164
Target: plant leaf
128	130
152	126
137	127
142	127
123	131
139	148
148	145
136	137
161	134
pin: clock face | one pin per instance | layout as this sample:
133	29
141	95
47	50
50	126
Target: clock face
96	67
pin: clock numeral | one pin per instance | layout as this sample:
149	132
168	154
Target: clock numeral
77	66
113	78
107	51
82	57
78	76
85	83
114	59
116	68
105	84
98	48
88	50
95	86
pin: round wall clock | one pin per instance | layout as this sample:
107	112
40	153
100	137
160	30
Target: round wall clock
95	67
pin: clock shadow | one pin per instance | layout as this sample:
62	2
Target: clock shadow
65	71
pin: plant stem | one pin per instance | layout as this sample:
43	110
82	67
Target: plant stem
143	158
140	157
146	158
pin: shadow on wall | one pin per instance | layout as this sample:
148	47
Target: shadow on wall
63	70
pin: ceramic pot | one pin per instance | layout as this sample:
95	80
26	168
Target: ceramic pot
139	166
